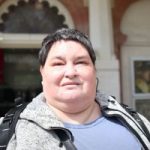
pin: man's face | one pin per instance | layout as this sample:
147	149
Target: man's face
69	76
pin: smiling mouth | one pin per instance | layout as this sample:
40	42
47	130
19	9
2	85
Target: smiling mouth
70	84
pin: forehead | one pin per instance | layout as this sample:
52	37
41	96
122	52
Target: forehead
68	48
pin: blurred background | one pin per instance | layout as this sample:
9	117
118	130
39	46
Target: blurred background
118	29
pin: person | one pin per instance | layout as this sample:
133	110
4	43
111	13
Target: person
70	103
142	78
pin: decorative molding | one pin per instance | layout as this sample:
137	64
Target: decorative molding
120	6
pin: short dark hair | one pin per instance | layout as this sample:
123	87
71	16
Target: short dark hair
67	35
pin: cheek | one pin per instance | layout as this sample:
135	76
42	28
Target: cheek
89	76
89	85
50	76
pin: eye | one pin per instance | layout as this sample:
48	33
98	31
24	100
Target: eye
82	62
57	63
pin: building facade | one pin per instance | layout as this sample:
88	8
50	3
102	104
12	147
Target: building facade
118	31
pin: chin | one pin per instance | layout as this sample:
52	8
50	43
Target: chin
70	96
73	96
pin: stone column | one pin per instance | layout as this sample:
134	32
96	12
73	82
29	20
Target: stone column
101	27
101	35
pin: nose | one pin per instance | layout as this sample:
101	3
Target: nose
70	71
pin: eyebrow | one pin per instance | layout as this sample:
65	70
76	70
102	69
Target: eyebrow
82	57
78	57
58	57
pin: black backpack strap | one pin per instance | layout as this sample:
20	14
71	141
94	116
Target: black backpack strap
135	115
66	138
7	128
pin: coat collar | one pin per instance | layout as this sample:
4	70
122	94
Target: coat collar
35	110
39	112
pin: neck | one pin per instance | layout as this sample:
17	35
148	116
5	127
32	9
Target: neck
87	115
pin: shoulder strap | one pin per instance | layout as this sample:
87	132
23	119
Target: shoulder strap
66	138
135	115
7	128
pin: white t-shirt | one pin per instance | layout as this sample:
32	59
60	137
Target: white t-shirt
103	134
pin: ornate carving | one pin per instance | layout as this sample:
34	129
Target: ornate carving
32	17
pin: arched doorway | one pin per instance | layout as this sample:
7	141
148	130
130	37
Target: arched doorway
22	28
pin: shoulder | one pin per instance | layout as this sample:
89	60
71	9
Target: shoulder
111	107
30	136
131	119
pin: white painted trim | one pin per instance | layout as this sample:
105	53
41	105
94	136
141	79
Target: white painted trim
21	40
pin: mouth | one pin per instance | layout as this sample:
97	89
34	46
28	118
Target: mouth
70	84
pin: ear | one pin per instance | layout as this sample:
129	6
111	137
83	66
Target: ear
41	70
